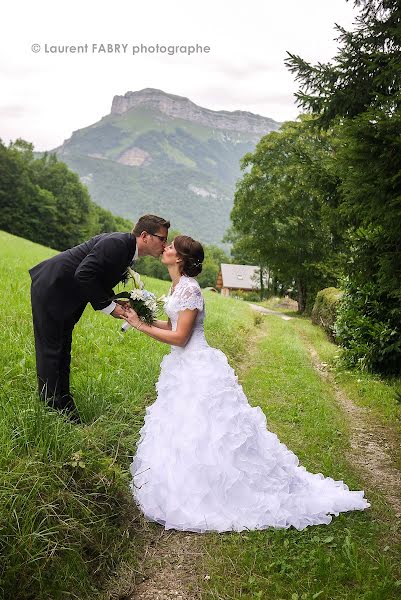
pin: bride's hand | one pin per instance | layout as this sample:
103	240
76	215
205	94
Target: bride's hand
132	318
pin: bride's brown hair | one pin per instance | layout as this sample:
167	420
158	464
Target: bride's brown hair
191	253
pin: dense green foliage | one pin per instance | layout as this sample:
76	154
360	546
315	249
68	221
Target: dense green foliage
325	309
280	212
214	256
320	200
43	201
368	329
66	511
359	94
365	73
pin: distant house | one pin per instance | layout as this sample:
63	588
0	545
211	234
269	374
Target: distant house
238	277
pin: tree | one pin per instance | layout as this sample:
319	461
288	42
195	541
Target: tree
42	200
214	256
107	222
360	92
76	214
279	208
26	209
246	251
365	73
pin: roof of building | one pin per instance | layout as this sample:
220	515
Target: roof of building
245	277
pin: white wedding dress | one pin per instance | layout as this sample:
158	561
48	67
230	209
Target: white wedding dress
206	460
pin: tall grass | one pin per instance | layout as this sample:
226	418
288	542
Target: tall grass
66	514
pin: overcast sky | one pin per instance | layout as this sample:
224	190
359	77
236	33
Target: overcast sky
45	96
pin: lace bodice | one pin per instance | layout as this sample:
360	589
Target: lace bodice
187	294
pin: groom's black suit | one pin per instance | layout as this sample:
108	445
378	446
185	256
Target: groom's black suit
61	288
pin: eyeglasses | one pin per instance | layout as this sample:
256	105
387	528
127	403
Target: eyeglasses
162	238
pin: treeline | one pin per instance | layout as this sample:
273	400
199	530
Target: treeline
43	201
320	201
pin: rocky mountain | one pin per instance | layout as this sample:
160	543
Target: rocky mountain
160	153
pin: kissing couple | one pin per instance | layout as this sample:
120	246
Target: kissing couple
205	460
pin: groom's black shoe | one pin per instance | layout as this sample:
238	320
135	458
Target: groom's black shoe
66	405
71	411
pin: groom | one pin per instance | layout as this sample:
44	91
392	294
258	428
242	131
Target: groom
64	284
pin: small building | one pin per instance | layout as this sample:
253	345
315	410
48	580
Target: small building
238	277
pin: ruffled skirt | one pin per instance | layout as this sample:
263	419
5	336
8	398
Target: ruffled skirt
207	462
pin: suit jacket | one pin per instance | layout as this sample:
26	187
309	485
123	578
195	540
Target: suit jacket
65	283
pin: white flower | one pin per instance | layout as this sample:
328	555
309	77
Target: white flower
136	294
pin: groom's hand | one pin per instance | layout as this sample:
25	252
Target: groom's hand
119	312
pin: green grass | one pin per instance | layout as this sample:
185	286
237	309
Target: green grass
363	388
66	513
355	557
67	518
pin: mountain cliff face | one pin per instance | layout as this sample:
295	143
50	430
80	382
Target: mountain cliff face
178	107
160	153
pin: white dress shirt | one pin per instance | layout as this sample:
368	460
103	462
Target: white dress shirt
109	309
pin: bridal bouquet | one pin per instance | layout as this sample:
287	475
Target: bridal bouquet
144	303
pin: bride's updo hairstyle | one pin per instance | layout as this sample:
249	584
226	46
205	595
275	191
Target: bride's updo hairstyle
191	253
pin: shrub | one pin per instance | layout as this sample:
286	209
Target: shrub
369	328
252	296
324	310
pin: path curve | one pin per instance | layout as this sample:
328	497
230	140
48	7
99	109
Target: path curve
268	311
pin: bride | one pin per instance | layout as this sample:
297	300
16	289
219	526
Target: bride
205	459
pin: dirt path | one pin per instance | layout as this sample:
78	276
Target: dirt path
171	568
267	311
373	445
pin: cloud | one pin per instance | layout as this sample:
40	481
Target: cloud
45	97
12	111
245	69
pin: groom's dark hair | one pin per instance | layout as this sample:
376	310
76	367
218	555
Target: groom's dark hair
149	223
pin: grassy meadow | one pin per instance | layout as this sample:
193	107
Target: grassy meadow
66	513
68	523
